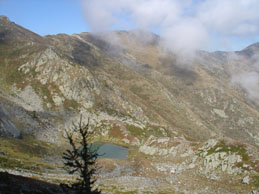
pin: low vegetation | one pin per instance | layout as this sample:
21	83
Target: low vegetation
27	153
223	147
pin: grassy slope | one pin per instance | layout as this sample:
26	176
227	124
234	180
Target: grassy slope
148	88
159	72
29	154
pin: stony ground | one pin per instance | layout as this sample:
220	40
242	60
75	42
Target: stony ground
214	167
189	129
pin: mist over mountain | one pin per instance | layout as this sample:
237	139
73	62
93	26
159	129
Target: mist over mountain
186	116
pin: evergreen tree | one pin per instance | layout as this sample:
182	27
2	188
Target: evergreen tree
80	160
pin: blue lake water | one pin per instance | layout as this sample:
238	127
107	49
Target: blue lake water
108	150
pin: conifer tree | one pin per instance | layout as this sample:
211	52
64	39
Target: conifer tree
80	160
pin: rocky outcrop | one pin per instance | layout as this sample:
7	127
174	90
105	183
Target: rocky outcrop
28	99
150	147
246	180
217	157
164	146
138	97
62	79
222	161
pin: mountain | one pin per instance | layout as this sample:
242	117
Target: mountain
199	113
251	50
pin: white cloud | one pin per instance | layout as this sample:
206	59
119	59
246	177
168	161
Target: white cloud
185	36
155	13
230	17
250	82
98	15
186	24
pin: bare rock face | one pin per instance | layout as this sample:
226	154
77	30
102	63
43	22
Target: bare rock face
246	180
222	161
76	73
29	99
7	127
172	118
62	79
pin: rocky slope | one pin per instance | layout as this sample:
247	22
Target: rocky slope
179	117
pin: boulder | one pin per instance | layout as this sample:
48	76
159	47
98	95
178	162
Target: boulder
246	180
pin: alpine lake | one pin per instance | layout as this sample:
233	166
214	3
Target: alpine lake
108	150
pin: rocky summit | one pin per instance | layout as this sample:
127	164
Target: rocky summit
191	122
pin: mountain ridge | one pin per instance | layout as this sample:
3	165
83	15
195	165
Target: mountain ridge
83	50
194	114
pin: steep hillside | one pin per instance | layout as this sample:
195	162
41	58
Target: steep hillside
198	99
178	116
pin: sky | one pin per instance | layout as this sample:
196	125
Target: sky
184	24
